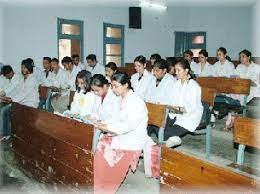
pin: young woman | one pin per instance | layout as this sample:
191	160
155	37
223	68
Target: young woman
203	69
223	67
161	84
84	100
123	138
110	69
171	61
142	78
188	55
186	105
249	70
155	57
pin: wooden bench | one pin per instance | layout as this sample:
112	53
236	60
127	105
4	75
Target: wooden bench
180	171
54	149
228	86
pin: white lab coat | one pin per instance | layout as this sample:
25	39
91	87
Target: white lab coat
223	70
71	79
3	82
81	66
13	85
28	93
60	79
187	95
202	72
38	74
160	94
251	72
98	69
83	104
108	109
130	125
47	81
142	86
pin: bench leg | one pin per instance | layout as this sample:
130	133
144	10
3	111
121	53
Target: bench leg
160	135
241	154
244	106
97	133
208	141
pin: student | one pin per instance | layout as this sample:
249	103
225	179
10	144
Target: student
188	55
120	146
186	104
13	84
223	67
77	63
93	66
161	84
155	57
171	66
3	80
203	68
141	80
37	71
84	100
110	69
61	101
247	69
47	75
59	75
27	95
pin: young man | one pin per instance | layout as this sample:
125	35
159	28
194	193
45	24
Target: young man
76	61
27	95
47	77
3	80
93	66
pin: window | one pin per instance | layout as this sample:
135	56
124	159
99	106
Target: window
114	44
70	38
194	41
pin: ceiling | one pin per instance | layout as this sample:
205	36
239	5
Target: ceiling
127	3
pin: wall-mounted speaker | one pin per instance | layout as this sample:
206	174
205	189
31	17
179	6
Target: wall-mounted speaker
135	17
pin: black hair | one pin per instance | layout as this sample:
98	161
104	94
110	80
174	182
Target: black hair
171	61
189	52
6	69
47	59
30	60
55	60
122	78
224	51
75	56
186	65
155	56
141	59
66	60
204	53
28	63
99	80
112	66
91	57
86	76
161	64
247	53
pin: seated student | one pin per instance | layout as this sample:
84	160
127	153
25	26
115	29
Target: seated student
84	100
141	80
61	102
186	105
188	55
93	66
13	84
161	84
77	63
171	66
27	95
37	71
3	80
47	75
204	69
223	67
110	69
155	57
247	69
59	75
120	146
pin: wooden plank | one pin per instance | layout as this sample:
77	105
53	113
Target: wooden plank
182	171
247	131
156	114
226	85
208	95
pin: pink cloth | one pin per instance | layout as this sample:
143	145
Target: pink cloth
111	166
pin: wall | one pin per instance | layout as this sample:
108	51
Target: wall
32	31
256	29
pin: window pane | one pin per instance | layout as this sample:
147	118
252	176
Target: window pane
113	49
113	32
195	52
115	59
68	47
70	29
198	40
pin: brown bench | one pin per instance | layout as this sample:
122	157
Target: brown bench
54	149
180	171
